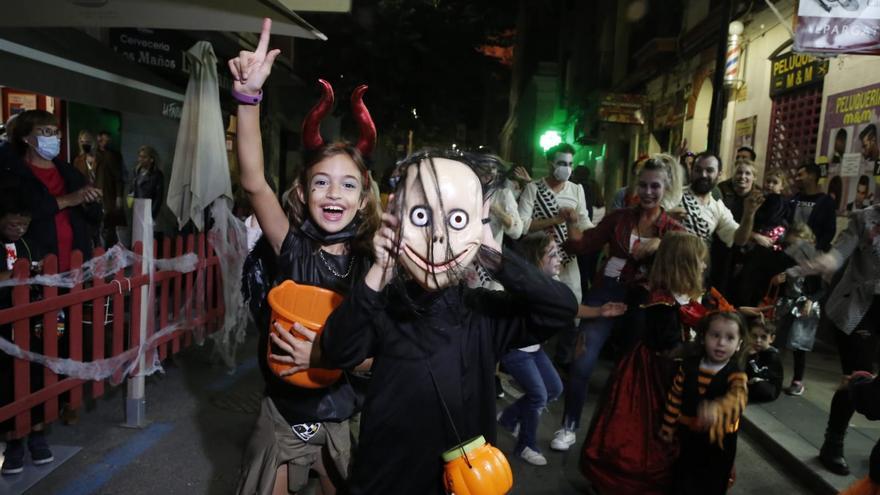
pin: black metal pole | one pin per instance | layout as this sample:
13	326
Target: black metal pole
719	93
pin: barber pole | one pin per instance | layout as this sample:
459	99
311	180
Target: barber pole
734	52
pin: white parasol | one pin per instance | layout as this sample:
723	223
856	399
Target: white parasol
200	171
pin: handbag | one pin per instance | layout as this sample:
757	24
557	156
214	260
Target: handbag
768	303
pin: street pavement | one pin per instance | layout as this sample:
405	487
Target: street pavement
200	418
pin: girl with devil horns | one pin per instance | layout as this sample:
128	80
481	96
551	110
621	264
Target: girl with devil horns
325	241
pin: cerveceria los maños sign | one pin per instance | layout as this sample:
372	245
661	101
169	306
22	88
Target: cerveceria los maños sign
791	71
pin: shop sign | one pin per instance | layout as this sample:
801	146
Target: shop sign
669	112
622	109
152	48
172	110
838	26
744	132
795	70
850	143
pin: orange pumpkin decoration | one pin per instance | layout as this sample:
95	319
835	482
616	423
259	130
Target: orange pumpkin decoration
309	306
485	472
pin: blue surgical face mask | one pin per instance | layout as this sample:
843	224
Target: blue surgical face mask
48	146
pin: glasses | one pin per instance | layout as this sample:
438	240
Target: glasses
47	131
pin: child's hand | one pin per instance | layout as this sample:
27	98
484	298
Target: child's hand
298	353
250	69
762	240
385	250
612	309
707	415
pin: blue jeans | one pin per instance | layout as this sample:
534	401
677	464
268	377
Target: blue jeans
593	333
536	374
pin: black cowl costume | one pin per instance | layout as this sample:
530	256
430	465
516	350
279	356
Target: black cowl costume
457	333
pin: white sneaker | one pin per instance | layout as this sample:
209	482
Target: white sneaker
533	457
563	439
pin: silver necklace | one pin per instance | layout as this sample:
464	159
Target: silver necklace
333	270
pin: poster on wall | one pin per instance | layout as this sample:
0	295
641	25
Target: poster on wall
849	143
19	102
838	26
744	133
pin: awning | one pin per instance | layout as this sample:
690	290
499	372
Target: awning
73	66
201	15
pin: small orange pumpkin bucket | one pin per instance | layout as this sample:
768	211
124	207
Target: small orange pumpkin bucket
309	306
476	468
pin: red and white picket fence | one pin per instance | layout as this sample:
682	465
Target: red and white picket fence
103	318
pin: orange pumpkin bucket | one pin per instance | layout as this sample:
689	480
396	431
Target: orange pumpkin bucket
309	306
476	468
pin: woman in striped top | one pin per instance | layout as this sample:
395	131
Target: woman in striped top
707	398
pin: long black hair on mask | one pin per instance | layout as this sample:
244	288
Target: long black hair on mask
488	170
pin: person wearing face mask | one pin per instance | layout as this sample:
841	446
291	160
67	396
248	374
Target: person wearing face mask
550	204
62	204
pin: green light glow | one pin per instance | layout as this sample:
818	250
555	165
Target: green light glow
550	139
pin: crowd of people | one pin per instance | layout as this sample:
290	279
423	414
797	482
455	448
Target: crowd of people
696	281
49	206
685	280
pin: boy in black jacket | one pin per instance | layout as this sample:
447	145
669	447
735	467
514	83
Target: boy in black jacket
763	365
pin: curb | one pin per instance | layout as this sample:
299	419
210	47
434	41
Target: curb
792	451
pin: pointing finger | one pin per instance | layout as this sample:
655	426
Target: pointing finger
263	45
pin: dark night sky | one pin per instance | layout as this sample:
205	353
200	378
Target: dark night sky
412	53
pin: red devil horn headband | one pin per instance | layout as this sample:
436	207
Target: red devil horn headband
311	130
367	141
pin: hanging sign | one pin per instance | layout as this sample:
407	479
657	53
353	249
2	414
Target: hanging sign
838	26
791	71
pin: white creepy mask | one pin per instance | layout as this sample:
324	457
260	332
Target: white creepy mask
440	235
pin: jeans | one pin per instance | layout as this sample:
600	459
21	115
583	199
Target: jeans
536	374
593	334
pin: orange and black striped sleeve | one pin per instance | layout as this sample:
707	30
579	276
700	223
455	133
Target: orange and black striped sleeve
673	403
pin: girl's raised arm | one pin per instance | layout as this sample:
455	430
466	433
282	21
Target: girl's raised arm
249	72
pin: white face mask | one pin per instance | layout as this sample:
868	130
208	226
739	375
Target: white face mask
440	235
562	173
48	147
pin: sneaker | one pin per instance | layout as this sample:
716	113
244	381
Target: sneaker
13	458
533	457
563	439
796	388
40	452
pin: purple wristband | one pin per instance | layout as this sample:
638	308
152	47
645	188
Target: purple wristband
247	99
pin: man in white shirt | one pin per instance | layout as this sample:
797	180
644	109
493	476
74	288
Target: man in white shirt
703	215
547	203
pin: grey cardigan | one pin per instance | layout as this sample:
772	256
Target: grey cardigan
859	244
